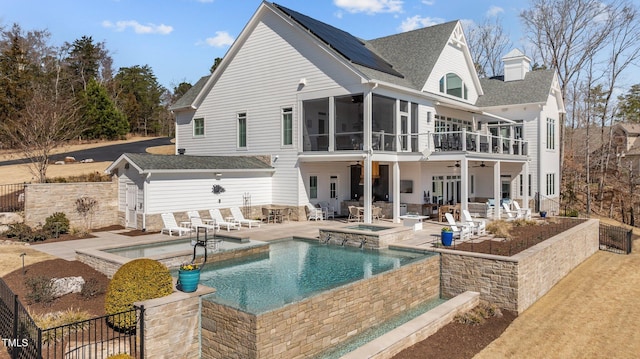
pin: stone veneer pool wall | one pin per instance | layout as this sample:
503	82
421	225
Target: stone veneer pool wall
516	282
313	325
108	263
373	240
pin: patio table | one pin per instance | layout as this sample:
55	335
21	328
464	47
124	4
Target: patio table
413	220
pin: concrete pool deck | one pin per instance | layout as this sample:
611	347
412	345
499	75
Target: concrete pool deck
421	240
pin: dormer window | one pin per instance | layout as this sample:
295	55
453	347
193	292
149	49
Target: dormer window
452	84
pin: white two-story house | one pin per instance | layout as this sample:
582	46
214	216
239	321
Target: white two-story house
402	122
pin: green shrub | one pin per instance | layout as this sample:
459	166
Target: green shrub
56	224
40	289
19	231
572	213
138	280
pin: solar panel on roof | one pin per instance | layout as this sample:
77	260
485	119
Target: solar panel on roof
346	44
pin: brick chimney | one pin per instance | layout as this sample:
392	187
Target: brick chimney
516	65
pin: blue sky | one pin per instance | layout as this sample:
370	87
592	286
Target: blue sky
179	39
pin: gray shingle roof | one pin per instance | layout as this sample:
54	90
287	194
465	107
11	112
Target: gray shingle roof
533	89
630	128
414	53
188	98
150	162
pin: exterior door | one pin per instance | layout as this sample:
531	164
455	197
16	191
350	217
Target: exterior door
334	194
131	211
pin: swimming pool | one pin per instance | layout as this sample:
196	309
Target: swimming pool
307	297
294	270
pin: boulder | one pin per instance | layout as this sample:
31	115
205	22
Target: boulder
69	159
58	163
66	285
87	160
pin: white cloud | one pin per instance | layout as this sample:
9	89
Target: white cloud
494	11
369	6
429	2
137	27
221	39
416	22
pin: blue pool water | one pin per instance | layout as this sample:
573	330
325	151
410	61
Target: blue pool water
294	270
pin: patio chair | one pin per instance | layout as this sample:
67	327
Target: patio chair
459	230
327	210
196	222
171	226
267	215
354	214
376	212
238	217
511	215
217	216
286	214
478	226
524	212
314	213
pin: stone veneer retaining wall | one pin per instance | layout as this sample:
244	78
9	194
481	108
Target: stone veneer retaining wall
308	327
516	282
43	199
172	325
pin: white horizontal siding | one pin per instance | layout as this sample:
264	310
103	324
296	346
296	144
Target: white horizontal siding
177	193
452	59
324	171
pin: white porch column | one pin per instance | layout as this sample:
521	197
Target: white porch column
366	140
464	182
396	192
332	124
525	186
497	190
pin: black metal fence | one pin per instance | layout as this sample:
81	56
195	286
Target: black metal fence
615	239
12	197
93	338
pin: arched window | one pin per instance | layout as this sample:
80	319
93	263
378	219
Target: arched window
452	84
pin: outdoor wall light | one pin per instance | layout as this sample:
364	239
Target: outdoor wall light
218	174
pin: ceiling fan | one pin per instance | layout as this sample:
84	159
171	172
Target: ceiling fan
482	164
456	165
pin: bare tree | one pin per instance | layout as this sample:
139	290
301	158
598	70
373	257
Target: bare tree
487	43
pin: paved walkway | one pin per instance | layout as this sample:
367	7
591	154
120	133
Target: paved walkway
422	239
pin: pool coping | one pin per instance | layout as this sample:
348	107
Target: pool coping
417	329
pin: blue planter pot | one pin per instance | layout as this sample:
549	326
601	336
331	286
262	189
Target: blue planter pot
447	238
188	280
543	214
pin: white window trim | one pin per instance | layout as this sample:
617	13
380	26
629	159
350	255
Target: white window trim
246	131
193	127
282	112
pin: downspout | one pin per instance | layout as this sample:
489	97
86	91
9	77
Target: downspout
144	202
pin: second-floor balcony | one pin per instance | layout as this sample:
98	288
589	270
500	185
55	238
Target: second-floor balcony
430	142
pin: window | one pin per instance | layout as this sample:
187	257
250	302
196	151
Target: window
473	185
551	134
287	126
242	130
551	184
529	184
452	84
313	187
198	126
521	185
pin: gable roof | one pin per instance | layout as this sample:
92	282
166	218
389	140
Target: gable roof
629	128
533	89
150	163
187	100
415	53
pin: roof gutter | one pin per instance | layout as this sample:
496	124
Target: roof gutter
209	170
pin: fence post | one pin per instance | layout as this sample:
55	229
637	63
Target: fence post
142	331
14	349
629	241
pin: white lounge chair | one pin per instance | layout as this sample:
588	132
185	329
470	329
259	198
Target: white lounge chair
217	216
196	222
314	213
239	218
511	215
478	226
171	226
461	231
327	210
524	212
